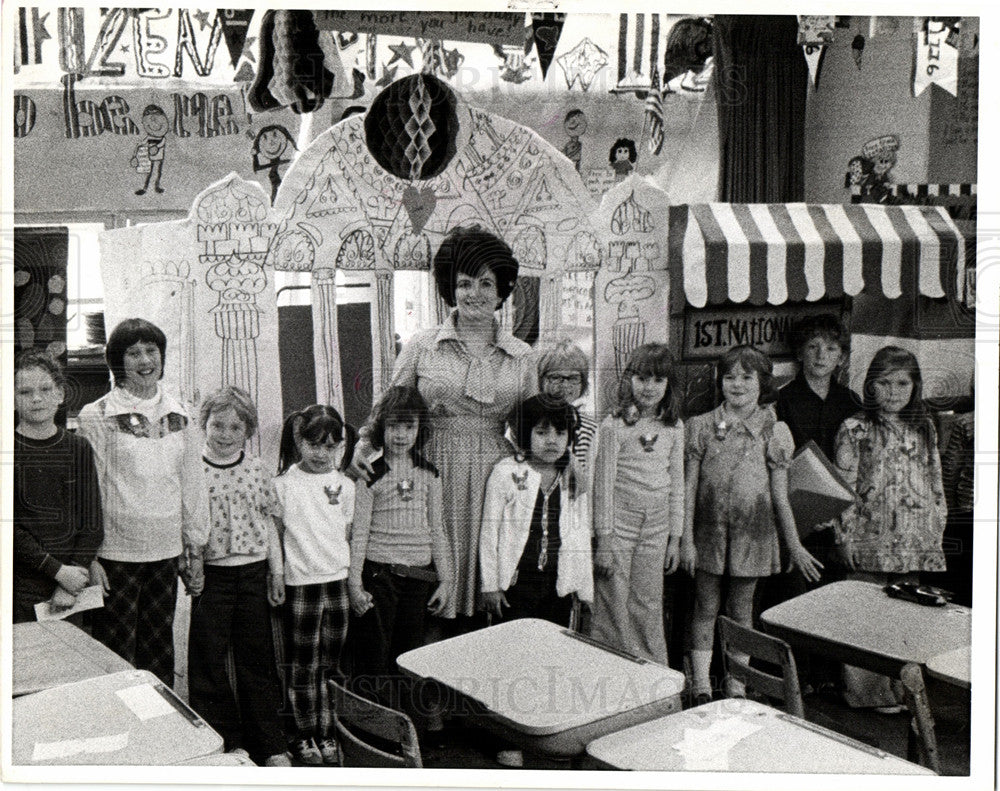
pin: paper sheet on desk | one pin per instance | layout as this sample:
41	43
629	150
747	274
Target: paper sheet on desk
89	598
707	749
145	701
47	751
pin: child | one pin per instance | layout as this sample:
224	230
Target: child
316	505
397	533
737	487
563	373
243	574
638	505
534	548
148	455
888	452
57	502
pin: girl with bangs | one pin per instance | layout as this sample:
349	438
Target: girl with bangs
315	510
638	505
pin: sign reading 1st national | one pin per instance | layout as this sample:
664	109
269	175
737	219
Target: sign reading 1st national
709	333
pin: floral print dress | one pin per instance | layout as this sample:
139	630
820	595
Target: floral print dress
898	523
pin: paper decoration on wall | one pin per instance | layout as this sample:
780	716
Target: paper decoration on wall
419	163
631	289
31	32
654	116
882	152
515	63
868	174
687	60
149	154
640	40
622	157
39	256
235	24
546	28
858	49
203	282
937	55
582	63
291	68
815	32
575	125
272	149
438	59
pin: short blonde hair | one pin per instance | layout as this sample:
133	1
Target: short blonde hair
238	399
565	355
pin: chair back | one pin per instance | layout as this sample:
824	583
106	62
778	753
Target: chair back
740	641
356	718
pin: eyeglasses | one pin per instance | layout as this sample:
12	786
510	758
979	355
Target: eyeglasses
568	379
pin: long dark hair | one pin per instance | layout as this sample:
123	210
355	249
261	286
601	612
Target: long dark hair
399	403
315	423
650	359
895	358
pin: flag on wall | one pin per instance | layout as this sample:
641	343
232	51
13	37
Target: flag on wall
31	32
937	54
654	116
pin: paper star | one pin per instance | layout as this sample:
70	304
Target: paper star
582	63
41	33
402	52
388	75
248	52
202	17
124	47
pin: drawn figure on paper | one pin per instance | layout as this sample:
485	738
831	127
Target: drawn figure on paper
269	147
629	331
622	157
631	217
148	156
575	125
582	63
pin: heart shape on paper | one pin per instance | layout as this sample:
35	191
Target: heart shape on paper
419	205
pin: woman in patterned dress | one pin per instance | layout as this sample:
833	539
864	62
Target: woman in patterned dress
471	372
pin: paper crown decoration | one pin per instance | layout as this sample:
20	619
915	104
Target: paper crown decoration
816	490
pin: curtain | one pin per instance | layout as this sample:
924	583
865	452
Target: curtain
761	79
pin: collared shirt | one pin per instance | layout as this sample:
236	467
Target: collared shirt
813	418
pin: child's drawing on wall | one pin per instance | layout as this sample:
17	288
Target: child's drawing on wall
268	147
622	157
575	125
148	156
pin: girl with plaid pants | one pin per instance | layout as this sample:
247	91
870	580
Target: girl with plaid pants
316	506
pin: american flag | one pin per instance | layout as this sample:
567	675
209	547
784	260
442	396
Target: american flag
654	115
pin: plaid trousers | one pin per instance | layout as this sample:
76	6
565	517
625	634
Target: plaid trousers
137	620
315	630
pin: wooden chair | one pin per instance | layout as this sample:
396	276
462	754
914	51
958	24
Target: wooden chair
738	639
355	718
922	723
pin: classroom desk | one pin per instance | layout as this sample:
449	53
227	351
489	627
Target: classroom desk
49	653
857	623
544	687
953	667
219	759
126	718
742	736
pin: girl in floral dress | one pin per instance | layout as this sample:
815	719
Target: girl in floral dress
889	453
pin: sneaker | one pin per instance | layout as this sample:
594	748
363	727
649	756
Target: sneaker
306	752
330	751
278	759
894	708
734	688
511	758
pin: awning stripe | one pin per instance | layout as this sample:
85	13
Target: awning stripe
716	254
781	243
771	253
757	260
738	266
814	254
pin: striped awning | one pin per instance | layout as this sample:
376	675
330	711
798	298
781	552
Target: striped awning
773	253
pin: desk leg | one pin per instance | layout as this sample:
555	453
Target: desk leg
920	735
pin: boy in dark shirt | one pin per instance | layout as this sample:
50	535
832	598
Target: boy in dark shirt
813	405
57	504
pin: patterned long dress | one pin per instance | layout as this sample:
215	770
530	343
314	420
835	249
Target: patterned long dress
469	398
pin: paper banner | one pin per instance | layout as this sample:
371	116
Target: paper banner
937	56
546	29
816	29
235	24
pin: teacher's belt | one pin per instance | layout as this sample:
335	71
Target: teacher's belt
425	573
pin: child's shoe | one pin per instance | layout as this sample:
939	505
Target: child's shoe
278	759
511	758
306	752
330	752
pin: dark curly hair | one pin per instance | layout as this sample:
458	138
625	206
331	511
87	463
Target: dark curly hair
623	142
466	251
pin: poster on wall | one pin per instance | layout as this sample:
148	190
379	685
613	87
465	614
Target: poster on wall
203	282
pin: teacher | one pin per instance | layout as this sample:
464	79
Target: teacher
471	372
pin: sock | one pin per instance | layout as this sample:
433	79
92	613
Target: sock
701	661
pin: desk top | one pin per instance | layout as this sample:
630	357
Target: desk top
859	621
219	759
49	653
742	736
126	718
954	666
540	679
